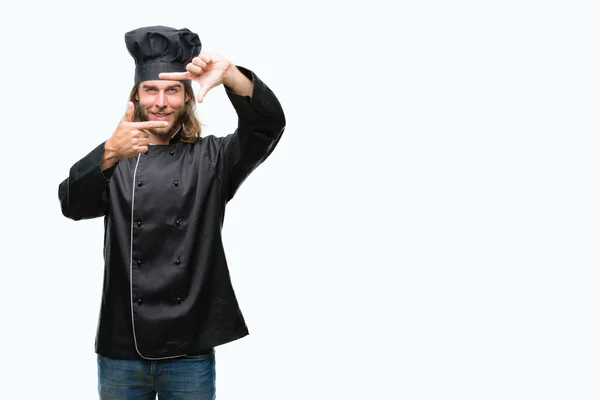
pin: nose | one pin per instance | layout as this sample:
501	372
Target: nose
161	99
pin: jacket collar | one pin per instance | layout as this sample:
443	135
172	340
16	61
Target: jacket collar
177	136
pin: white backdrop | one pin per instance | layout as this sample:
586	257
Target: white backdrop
427	228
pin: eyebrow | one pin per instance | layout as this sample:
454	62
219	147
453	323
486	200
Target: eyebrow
176	86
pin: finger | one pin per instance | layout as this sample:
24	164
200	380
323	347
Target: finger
174	76
141	149
199	62
128	113
149	125
206	57
202	92
140	134
143	142
194	69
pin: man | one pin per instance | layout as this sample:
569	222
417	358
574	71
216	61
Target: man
162	188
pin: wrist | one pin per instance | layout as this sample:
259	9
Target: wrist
109	157
229	77
237	82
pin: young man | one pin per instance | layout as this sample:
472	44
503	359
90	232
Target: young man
162	189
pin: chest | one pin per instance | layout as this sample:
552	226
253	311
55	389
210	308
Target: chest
164	181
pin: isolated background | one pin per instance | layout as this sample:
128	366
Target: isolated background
427	228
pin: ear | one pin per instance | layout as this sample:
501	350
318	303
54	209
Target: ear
187	98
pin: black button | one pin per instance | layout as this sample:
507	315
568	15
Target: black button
179	300
177	261
177	222
176	183
140	183
139	262
139	223
171	152
139	300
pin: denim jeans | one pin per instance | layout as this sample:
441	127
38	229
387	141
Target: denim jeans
189	378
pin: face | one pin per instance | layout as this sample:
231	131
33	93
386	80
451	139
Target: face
162	101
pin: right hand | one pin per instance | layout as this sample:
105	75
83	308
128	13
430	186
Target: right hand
131	138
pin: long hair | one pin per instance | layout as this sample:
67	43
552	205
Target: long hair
192	128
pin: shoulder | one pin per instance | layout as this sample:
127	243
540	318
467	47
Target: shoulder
206	146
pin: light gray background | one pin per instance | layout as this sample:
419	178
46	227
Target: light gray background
427	228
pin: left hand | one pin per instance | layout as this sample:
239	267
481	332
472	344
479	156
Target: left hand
207	69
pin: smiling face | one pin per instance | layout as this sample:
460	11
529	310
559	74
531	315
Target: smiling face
161	101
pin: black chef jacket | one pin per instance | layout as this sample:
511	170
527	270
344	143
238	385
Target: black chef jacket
167	290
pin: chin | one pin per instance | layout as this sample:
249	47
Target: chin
161	132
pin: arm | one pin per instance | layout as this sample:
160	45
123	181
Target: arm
83	194
237	82
261	122
260	117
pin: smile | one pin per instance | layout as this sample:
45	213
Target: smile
161	116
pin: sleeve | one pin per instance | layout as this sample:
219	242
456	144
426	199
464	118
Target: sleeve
261	123
83	194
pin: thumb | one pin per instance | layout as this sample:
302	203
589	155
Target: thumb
204	88
128	113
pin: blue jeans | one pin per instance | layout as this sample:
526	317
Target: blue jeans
189	378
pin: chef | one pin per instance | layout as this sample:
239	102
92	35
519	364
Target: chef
162	188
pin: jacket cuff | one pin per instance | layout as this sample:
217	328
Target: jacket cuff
90	166
248	108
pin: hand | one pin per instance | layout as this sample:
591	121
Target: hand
131	138
208	70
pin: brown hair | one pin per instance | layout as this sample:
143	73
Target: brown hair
192	128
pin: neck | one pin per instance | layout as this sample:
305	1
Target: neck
162	139
159	140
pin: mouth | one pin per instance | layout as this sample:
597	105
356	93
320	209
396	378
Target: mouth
161	117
